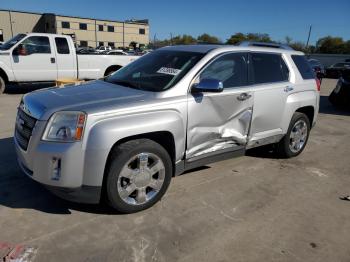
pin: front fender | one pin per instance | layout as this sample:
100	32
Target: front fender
6	67
296	101
106	132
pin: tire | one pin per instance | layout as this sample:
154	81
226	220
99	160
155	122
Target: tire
2	86
111	70
299	127
128	188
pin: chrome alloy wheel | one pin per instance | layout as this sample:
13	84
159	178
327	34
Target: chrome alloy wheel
141	179
298	136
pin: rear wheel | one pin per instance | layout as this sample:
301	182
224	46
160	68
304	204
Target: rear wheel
2	85
139	175
294	142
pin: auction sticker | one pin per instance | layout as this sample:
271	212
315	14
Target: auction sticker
169	71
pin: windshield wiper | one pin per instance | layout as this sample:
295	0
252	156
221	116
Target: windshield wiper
124	83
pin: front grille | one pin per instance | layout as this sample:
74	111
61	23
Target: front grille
24	128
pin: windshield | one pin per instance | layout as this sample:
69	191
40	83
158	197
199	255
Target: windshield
10	43
157	71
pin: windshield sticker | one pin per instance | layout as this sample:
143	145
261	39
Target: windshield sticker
169	71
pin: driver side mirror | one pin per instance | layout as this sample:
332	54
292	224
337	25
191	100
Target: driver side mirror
208	85
20	50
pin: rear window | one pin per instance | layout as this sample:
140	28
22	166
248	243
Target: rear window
268	68
303	66
62	45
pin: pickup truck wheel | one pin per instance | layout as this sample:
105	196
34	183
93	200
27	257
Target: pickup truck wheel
294	142
2	86
139	175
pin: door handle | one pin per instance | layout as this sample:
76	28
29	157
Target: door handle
53	60
288	89
243	96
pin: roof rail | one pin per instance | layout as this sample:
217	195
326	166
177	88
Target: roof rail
265	44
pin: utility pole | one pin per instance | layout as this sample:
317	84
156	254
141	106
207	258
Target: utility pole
11	23
308	38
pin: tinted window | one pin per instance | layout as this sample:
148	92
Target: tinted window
10	43
82	26
157	71
62	45
100	27
142	31
268	68
84	43
65	25
110	28
37	45
303	66
230	69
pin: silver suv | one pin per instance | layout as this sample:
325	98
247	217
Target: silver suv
123	138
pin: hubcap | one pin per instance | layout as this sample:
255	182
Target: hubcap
298	136
141	179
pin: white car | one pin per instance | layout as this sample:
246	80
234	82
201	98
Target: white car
103	49
39	57
117	52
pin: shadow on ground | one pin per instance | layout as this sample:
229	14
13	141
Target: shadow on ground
327	108
19	191
14	89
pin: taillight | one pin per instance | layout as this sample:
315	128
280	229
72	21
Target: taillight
318	83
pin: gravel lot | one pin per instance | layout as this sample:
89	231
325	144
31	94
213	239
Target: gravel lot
253	208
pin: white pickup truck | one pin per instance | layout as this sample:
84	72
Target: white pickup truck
37	57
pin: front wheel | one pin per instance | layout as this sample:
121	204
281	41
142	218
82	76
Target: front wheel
294	142
2	86
139	175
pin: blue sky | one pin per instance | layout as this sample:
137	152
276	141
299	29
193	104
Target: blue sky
221	17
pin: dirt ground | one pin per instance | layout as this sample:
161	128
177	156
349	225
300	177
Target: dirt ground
253	208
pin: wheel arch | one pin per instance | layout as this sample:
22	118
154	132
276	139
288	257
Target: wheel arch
112	68
4	75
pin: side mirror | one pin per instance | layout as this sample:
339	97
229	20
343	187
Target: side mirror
20	50
209	85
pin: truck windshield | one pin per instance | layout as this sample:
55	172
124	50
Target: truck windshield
10	43
157	71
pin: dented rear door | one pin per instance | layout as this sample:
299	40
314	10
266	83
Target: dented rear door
221	121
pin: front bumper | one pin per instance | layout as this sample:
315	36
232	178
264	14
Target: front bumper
39	162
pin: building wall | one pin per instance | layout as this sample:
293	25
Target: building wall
21	23
124	32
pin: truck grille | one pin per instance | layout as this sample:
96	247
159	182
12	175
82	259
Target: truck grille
24	128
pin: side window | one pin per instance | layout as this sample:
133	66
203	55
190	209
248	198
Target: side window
303	66
230	69
37	45
268	68
62	45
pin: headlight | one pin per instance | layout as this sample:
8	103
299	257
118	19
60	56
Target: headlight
65	127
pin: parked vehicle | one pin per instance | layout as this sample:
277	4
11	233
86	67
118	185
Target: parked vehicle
117	52
39	57
172	110
103	49
340	96
318	68
86	50
336	70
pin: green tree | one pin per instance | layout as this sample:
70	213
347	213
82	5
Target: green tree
256	37
236	38
206	38
183	40
331	45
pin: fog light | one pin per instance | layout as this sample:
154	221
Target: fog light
56	169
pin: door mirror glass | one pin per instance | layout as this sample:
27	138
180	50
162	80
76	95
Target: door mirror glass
209	85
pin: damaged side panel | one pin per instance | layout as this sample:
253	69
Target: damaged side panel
216	122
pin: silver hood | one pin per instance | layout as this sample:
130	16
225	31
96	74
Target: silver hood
92	97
